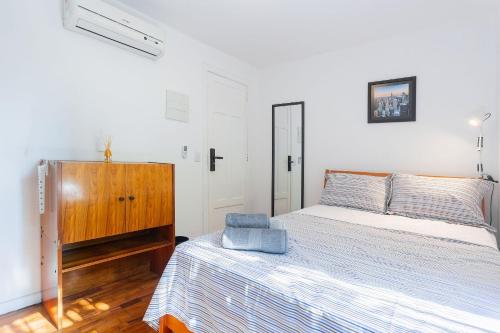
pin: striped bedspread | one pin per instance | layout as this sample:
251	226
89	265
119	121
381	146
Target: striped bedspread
336	277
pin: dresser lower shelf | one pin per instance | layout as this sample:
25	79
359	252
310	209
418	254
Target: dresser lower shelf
86	256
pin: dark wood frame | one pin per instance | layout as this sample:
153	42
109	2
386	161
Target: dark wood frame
412	80
302	104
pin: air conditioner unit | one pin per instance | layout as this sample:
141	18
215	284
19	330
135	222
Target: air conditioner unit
111	24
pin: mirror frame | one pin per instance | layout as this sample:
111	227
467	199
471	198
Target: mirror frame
303	106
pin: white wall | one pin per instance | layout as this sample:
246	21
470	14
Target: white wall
498	104
455	65
60	92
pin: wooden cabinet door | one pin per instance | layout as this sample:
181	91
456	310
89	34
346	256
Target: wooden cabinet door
149	196
92	201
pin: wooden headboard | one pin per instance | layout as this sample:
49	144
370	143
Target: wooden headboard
385	174
364	173
377	174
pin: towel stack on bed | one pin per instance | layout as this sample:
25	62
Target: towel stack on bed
251	232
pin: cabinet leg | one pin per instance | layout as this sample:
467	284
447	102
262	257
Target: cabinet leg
159	259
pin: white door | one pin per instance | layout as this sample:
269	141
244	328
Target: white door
227	136
296	159
287	158
282	149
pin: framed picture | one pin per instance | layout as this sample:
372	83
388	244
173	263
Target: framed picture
392	100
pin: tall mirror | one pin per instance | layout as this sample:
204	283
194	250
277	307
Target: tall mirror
288	158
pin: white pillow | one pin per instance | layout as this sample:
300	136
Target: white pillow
455	200
356	191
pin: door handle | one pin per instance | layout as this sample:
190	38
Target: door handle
131	198
213	158
290	162
121	199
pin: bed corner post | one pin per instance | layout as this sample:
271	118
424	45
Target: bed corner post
163	326
170	324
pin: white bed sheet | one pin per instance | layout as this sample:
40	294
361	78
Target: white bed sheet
432	228
336	277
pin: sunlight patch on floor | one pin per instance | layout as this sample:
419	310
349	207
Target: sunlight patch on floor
115	307
31	323
78	310
36	322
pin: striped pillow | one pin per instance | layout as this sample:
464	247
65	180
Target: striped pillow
455	200
356	191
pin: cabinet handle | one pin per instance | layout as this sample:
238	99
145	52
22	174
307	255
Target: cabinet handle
121	199
131	198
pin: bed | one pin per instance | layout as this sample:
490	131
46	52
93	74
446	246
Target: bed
346	271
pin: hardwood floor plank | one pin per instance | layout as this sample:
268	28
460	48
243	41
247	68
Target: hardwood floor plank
116	307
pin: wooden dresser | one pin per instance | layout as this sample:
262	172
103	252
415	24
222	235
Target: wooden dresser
102	223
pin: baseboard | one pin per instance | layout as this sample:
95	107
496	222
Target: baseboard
20	303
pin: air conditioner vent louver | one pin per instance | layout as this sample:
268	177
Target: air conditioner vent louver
127	25
98	19
115	41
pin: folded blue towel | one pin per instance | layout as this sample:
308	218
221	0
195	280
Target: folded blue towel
235	220
255	239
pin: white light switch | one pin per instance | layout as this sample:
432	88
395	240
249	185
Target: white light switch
184	152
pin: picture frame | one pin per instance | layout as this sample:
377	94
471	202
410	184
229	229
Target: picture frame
392	100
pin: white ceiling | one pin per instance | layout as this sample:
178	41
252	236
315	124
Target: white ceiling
266	32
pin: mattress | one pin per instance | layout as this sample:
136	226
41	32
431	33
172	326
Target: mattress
345	271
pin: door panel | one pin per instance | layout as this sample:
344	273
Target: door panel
296	153
91	206
288	164
149	196
227	135
282	149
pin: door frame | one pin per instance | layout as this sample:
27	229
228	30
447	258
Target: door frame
208	70
303	105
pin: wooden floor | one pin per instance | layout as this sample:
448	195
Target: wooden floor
117	307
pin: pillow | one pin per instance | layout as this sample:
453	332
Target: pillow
455	200
356	191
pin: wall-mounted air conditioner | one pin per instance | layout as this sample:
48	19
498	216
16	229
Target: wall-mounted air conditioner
111	24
